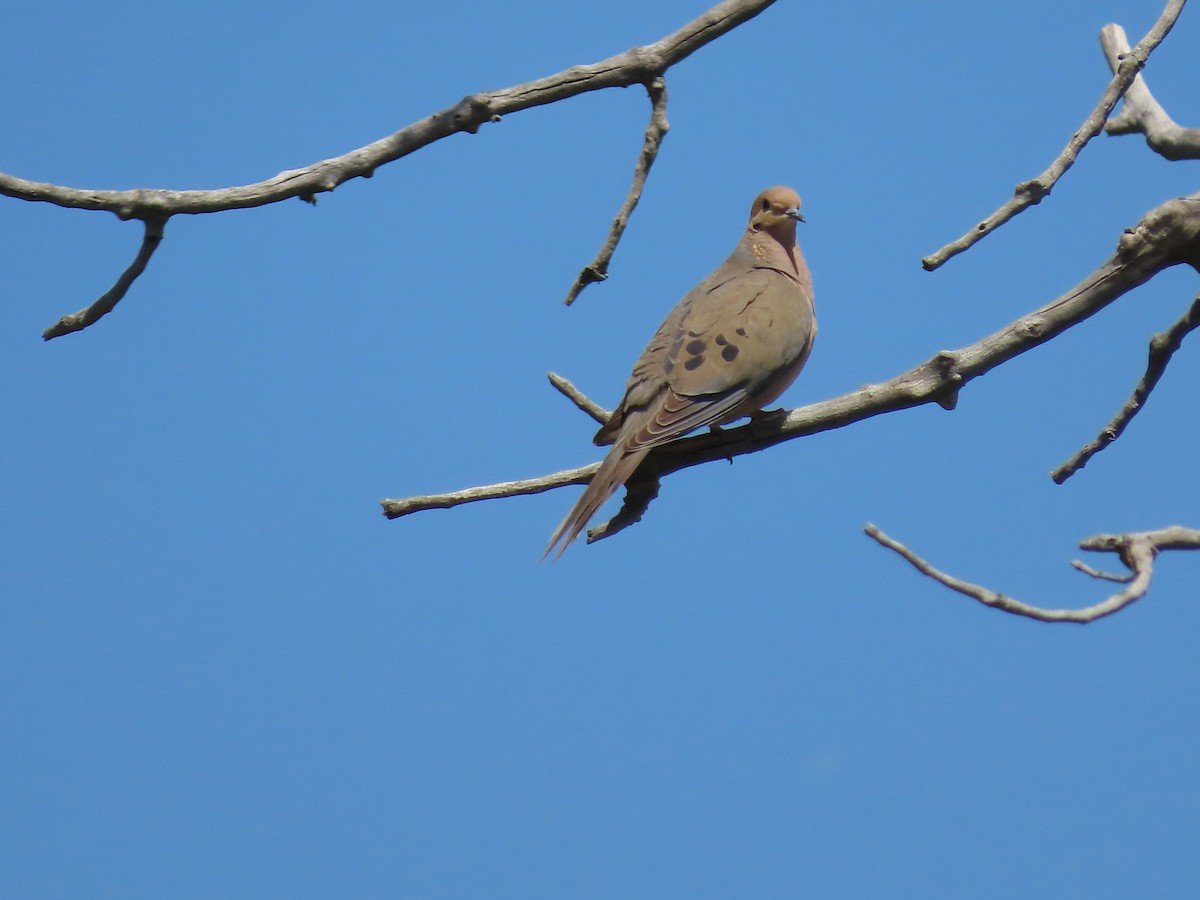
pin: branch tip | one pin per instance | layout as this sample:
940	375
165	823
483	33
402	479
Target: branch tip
656	130
579	398
1162	347
151	237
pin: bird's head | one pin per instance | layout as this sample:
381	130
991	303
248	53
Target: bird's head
776	210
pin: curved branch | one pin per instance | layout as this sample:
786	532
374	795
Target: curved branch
1168	235
1030	193
1141	113
1162	348
151	238
638	65
1136	550
597	269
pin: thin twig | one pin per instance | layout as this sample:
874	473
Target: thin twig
597	269
1162	347
1137	552
394	509
151	238
1029	193
1141	113
1103	576
579	398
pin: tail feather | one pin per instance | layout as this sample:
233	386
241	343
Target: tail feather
616	469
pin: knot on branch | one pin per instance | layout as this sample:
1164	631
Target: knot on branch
592	274
647	65
1128	61
472	111
945	367
1032	327
145	204
1032	191
1169	233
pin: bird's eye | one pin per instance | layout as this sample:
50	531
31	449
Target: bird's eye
766	204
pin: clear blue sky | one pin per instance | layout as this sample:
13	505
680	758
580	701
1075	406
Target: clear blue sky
224	674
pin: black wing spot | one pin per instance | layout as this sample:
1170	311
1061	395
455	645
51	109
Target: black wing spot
696	346
721	342
694	362
729	354
742	332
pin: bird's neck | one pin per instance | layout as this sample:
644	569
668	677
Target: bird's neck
778	251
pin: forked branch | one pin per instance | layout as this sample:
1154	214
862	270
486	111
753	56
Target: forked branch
1141	113
1030	193
1137	552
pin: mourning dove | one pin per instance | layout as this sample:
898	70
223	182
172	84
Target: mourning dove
731	346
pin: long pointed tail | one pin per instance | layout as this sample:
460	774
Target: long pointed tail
613	472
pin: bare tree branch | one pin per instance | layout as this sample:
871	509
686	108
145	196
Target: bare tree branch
1162	347
579	398
1104	576
394	509
640	491
1167	235
1030	193
1141	113
151	238
1136	550
638	65
597	269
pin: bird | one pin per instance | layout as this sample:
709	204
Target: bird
732	345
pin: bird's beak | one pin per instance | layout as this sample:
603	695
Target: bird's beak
794	214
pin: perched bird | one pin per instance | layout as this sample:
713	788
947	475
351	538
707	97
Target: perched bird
731	346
